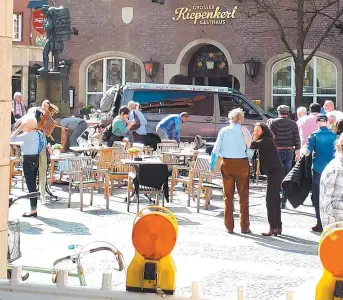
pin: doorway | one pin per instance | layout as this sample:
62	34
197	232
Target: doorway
209	67
16	84
223	81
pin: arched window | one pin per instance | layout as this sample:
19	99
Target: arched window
107	72
320	82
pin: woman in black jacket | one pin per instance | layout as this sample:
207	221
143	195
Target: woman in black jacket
263	140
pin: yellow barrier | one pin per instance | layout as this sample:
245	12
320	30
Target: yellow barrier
154	236
330	286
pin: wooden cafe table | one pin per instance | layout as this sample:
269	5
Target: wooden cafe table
79	150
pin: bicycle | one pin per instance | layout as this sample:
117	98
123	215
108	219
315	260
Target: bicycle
75	258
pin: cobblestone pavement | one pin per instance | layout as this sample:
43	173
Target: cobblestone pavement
205	252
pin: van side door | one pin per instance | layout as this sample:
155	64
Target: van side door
226	103
156	105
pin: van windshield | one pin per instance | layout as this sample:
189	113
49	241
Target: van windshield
259	109
171	102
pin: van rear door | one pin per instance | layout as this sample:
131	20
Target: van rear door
157	104
228	102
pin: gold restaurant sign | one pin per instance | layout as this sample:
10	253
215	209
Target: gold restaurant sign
204	14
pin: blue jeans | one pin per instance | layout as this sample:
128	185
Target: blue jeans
315	194
286	157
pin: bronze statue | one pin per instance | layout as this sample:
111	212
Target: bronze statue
57	27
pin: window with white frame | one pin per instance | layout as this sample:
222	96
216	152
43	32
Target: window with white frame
106	73
17	27
320	82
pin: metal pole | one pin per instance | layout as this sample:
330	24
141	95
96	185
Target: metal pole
6	32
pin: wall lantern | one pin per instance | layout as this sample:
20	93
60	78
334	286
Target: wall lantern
151	68
251	67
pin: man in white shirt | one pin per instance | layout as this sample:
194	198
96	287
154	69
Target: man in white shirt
329	106
140	132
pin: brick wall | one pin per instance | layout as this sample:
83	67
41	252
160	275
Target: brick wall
153	34
20	6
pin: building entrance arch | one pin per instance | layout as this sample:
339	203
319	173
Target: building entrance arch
223	73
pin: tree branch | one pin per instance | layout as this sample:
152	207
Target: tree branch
263	8
324	35
316	12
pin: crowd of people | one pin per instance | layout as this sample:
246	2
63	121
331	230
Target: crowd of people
279	144
129	125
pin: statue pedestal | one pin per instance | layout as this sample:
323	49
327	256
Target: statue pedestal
54	86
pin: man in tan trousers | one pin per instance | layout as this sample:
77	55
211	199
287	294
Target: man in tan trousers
230	145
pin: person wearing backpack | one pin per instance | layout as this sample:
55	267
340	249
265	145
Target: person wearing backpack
33	144
139	131
120	126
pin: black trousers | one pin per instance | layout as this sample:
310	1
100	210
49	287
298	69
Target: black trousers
274	178
30	168
114	138
137	138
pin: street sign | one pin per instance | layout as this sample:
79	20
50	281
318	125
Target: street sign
38	19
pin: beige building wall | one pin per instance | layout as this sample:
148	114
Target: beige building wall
23	56
6	31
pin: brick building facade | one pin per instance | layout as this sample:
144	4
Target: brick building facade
114	40
27	51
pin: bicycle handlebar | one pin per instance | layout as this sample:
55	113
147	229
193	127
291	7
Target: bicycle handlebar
118	255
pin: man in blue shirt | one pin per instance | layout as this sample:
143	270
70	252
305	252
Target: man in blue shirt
169	127
231	147
321	144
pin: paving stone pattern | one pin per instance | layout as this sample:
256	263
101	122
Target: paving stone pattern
205	252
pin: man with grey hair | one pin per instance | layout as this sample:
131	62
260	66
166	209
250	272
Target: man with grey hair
287	139
139	131
329	106
230	146
18	106
301	112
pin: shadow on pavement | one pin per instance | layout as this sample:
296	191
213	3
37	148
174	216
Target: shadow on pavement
285	243
66	227
184	221
295	212
179	209
28	228
102	212
236	217
57	204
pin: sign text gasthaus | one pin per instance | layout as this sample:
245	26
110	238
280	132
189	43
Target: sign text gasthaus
204	14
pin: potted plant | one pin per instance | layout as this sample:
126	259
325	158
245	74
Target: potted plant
86	110
56	149
133	152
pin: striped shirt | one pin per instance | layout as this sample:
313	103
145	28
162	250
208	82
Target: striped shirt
286	132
